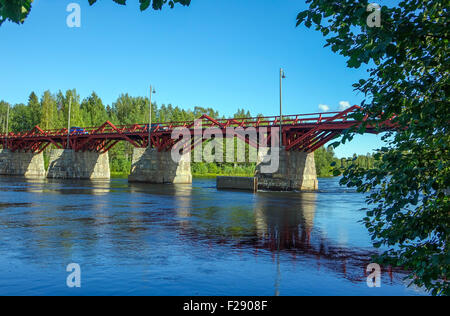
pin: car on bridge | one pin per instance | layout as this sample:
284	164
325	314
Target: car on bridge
78	131
154	126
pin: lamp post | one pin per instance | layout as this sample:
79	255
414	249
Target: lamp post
68	122
152	91
282	76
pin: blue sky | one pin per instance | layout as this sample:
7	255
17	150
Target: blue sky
214	53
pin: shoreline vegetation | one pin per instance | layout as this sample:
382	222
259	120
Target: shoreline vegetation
50	111
119	175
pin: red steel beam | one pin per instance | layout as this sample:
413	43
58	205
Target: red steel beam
300	132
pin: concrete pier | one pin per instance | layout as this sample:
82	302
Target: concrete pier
237	183
22	164
296	171
68	164
151	166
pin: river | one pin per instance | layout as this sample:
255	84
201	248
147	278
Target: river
141	239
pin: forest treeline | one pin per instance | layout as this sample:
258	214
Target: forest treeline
50	111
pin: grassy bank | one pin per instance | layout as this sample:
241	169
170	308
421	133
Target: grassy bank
122	175
119	175
214	175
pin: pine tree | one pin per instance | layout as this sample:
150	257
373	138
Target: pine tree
34	107
93	111
49	116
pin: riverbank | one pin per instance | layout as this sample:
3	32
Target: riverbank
119	175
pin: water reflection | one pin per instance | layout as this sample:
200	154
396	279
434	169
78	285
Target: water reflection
157	236
287	226
77	187
284	226
279	226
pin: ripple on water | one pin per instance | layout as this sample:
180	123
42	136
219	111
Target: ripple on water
182	240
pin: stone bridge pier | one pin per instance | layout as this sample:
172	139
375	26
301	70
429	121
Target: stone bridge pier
22	164
152	166
296	171
69	164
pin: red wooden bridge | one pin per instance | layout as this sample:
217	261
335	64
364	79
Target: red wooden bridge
303	132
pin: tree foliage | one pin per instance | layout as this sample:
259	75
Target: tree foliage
18	10
14	10
50	111
407	78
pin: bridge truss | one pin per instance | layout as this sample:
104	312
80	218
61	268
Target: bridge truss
303	132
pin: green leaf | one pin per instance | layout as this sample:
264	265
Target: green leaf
335	144
144	4
336	172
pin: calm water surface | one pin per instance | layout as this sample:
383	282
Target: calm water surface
184	240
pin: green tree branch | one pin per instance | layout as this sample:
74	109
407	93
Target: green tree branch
18	10
408	77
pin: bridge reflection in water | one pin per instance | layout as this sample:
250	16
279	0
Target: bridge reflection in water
273	224
153	238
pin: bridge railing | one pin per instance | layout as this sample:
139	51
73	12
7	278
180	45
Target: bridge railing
207	122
